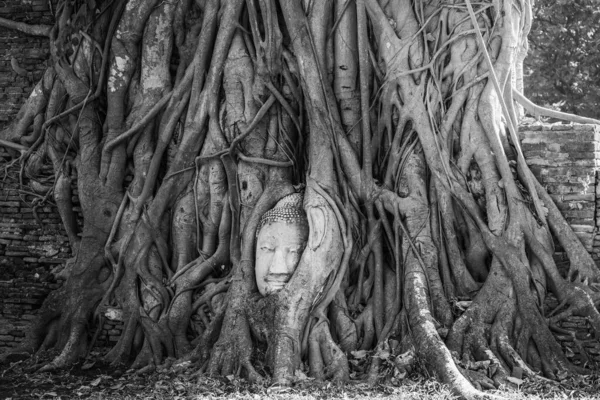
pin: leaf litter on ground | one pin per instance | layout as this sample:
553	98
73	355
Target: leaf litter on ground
100	381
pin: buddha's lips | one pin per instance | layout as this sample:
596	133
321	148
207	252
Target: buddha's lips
277	281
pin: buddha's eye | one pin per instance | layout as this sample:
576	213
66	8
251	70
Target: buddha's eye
267	248
297	250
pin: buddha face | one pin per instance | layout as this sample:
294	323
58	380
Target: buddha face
279	246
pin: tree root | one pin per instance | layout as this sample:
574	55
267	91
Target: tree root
232	354
326	359
33	30
539	111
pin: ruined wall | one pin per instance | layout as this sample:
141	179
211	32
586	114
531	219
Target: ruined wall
22	58
32	243
33	246
566	158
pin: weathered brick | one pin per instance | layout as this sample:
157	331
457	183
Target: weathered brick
571	147
552	136
16	253
529	128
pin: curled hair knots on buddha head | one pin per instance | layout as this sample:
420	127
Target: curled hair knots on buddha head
289	209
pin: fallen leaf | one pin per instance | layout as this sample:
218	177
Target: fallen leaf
562	375
183	364
383	354
400	374
359	353
301	376
463	305
88	365
516	381
96	381
405	359
569	352
53	394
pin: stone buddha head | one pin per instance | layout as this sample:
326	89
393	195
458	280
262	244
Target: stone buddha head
280	240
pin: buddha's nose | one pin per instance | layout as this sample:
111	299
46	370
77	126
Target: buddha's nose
278	263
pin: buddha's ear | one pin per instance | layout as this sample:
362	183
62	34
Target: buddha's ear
317	226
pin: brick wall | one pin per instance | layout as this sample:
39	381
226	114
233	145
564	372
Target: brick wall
566	159
30	53
32	243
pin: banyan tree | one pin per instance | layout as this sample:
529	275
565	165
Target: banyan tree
284	183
